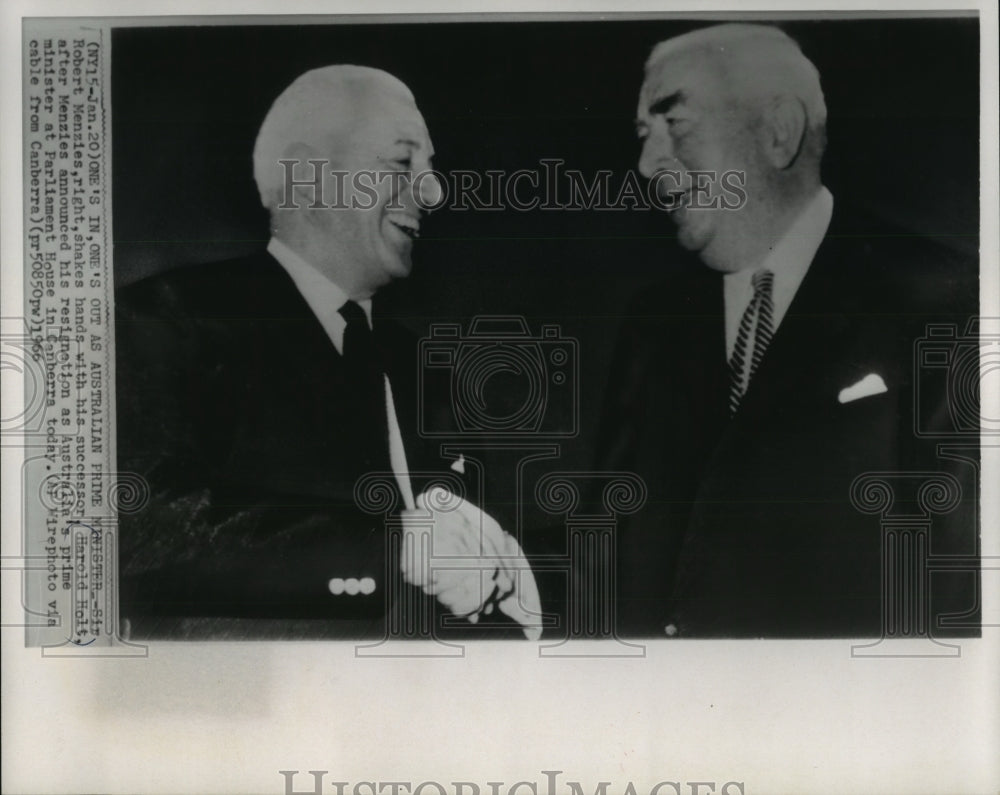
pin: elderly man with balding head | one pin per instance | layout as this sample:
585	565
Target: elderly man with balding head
772	370
272	408
356	232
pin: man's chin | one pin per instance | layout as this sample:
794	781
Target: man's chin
694	229
397	267
688	239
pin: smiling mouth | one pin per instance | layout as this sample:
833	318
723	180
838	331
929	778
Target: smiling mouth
676	200
405	224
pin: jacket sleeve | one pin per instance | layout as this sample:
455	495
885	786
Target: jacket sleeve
200	545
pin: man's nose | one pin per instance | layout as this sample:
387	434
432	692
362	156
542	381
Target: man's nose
657	154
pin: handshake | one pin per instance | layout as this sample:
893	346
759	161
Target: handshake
459	554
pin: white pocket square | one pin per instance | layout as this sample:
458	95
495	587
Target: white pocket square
459	465
871	384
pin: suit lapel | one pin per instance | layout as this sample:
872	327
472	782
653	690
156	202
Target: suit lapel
412	403
806	343
696	368
294	388
800	367
710	382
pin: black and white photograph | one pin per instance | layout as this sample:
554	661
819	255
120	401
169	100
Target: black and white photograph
561	400
708	266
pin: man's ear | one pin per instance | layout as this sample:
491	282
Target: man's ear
306	178
784	130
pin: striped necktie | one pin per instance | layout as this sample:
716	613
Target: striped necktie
755	332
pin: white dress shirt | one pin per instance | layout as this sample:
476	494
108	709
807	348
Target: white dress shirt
325	300
789	261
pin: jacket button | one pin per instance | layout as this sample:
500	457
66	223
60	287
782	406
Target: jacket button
352	586
336	586
670	629
367	585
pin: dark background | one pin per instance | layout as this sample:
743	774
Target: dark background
902	97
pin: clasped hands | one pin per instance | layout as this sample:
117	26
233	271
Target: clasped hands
459	554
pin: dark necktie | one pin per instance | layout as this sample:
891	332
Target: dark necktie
365	368
755	332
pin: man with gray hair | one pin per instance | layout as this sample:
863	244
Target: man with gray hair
259	396
775	368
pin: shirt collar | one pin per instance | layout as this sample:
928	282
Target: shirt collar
323	296
789	261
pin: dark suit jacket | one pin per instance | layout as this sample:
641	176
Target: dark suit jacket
750	529
235	406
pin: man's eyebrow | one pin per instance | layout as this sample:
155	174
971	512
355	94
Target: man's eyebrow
664	104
